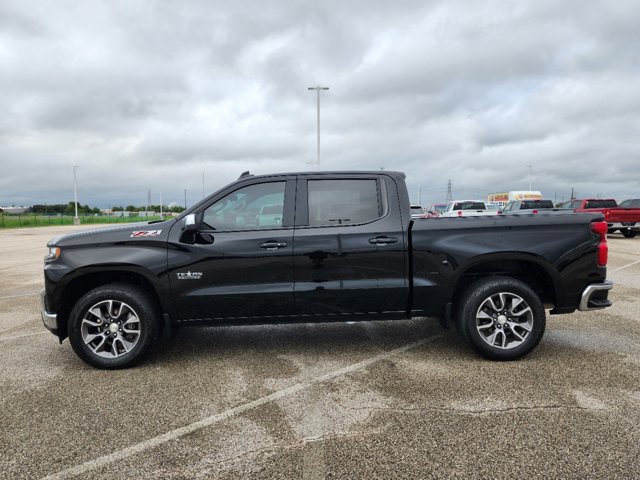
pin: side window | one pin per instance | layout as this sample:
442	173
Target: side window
343	202
249	208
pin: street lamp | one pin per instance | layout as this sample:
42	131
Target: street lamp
76	220
317	89
530	169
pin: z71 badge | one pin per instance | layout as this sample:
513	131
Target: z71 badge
146	233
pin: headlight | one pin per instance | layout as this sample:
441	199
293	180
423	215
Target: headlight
54	254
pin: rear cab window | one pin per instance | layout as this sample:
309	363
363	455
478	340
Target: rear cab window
469	206
334	202
600	204
533	204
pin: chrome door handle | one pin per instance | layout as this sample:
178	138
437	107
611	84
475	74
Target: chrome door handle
272	245
383	240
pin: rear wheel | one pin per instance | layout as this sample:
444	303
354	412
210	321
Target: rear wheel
501	318
113	326
629	233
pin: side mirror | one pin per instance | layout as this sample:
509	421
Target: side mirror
189	223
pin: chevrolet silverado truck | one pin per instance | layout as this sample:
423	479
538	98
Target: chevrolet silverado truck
316	247
623	218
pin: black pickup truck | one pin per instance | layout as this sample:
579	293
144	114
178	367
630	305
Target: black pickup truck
327	246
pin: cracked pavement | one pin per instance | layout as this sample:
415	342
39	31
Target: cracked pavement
364	400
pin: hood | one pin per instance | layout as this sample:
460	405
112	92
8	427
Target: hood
122	233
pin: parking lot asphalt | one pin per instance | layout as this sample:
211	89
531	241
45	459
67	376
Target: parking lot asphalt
395	399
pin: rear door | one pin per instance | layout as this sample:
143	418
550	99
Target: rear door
349	247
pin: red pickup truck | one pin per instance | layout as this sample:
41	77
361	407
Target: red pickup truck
624	218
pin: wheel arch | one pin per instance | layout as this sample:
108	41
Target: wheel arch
530	269
85	281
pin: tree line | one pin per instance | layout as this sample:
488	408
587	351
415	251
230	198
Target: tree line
69	209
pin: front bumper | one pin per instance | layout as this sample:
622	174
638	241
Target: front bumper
595	296
50	320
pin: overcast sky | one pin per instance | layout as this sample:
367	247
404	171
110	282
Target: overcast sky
149	95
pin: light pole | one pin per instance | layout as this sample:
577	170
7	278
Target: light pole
317	89
76	220
530	170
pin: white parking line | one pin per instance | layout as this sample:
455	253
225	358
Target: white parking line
207	422
20	265
23	335
20	295
625	266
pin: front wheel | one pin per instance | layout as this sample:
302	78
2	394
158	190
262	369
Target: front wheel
629	233
501	318
113	326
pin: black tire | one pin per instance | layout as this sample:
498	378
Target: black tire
122	321
507	332
629	233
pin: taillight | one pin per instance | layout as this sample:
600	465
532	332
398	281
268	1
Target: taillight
535	211
600	228
459	213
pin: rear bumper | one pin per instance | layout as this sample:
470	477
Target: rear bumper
50	320
595	296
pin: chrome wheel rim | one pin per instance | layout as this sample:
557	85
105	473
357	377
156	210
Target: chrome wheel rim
504	320
110	329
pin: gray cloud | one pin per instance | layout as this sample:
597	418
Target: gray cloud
149	95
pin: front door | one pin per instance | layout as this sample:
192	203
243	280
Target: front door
241	266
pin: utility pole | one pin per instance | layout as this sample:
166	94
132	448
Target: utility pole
76	220
161	204
317	89
203	183
185	198
449	194
530	170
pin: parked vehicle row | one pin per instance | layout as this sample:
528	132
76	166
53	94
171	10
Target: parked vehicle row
624	218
